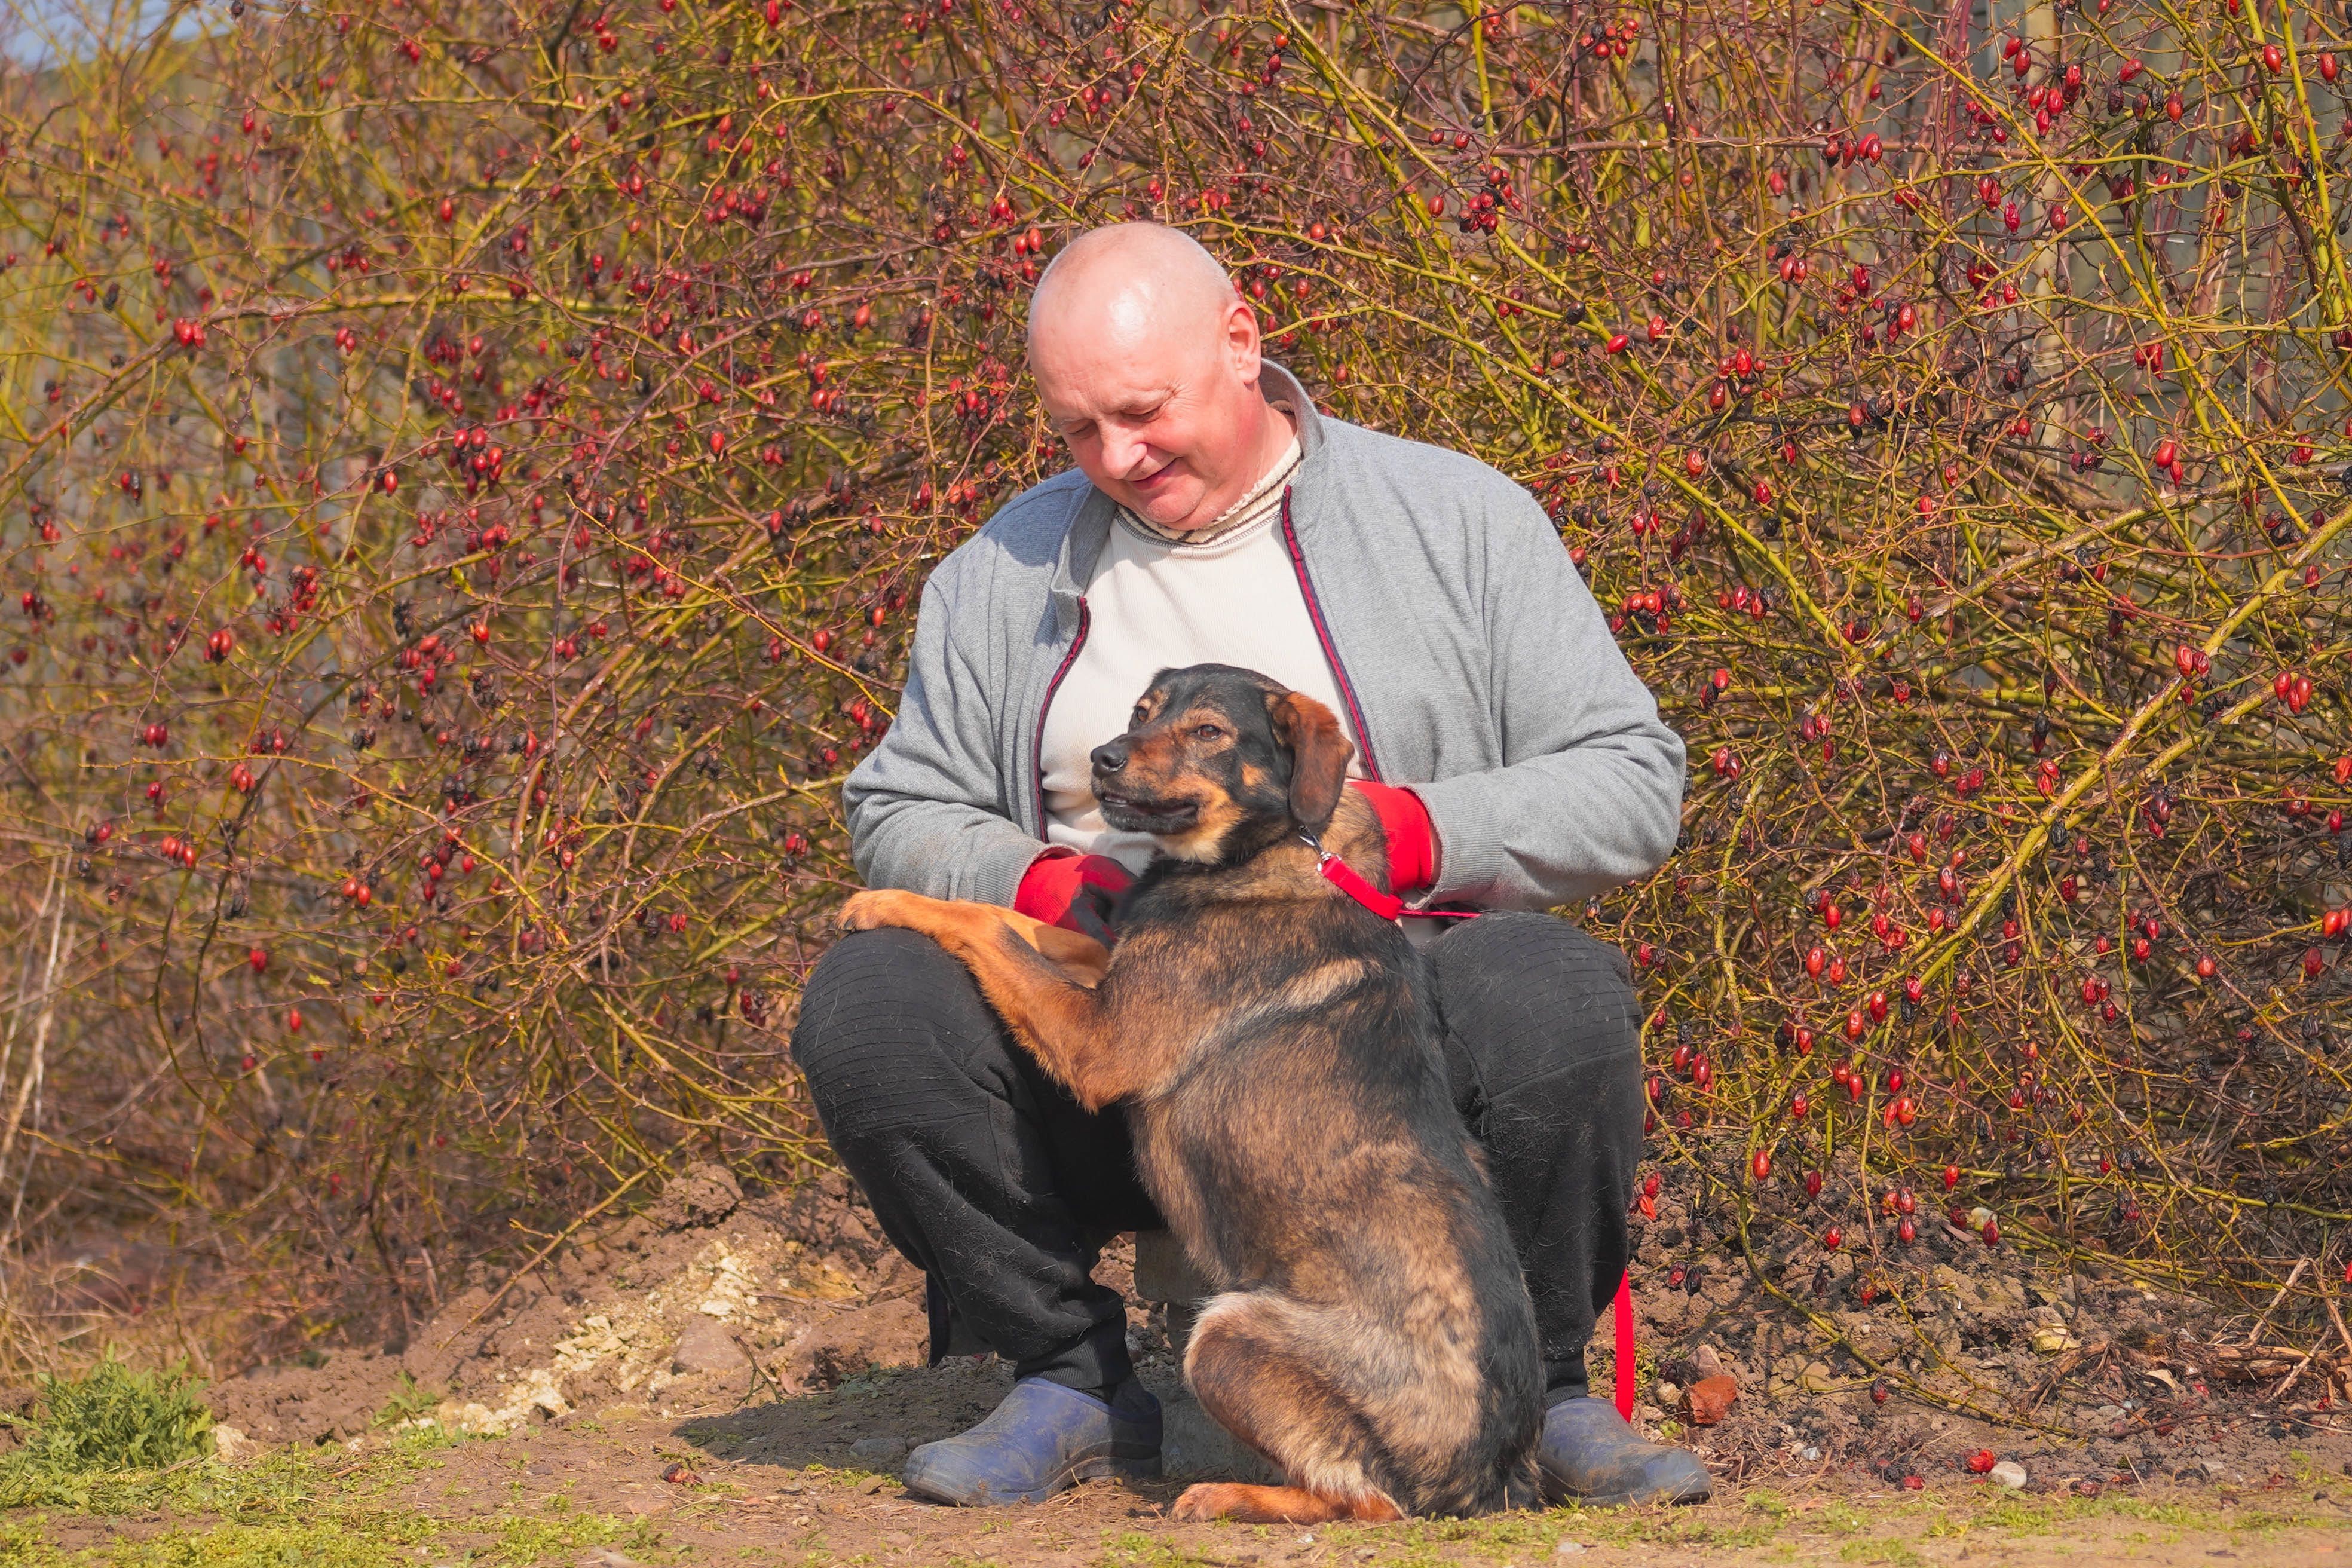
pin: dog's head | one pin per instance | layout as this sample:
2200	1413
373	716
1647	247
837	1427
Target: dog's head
1218	760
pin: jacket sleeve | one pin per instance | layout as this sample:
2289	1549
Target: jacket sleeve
1589	794
927	809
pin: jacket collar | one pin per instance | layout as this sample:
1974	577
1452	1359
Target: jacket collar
1090	524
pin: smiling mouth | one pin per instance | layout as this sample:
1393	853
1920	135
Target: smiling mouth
1154	816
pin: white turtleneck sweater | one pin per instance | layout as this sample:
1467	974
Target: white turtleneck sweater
1226	593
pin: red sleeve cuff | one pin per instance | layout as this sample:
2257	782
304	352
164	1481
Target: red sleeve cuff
1411	837
1056	879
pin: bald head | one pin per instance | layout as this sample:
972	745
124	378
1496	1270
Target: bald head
1128	281
1147	361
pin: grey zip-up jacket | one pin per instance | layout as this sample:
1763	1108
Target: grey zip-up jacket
1474	661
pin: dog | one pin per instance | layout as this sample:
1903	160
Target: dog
1273	1043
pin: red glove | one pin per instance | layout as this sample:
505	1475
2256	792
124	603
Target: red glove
1073	891
1412	837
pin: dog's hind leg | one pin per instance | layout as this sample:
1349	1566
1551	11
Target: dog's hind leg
1252	1367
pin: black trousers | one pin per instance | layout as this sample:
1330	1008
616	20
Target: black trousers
989	1178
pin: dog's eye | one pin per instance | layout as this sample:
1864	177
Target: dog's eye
1207	732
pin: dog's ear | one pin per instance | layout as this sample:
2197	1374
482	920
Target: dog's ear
1318	756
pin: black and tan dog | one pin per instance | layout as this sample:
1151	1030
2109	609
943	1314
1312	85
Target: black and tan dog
1273	1042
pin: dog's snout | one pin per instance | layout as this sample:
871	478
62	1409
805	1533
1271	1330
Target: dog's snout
1110	756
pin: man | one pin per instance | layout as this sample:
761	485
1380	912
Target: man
1515	760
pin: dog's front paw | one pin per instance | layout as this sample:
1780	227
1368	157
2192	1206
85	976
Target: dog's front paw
1208	1501
880	907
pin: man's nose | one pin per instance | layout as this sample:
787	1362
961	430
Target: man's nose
1124	452
1109	757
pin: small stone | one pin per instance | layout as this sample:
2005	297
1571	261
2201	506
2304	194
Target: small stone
873	1484
703	1194
2051	1339
1710	1399
645	1506
2011	1473
606	1557
887	1448
898	1537
707	1346
1569	1549
229	1445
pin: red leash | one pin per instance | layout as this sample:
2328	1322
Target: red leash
1388	906
1625	1345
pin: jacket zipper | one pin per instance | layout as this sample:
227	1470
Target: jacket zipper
1322	635
1037	740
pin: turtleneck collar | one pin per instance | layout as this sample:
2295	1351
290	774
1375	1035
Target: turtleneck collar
1254	504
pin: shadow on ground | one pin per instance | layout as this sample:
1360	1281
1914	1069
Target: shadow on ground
868	1423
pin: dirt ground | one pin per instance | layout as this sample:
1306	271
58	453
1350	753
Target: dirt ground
742	1376
779	1480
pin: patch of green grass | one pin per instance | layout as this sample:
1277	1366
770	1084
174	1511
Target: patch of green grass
1839	1520
22	1545
1889	1552
279	1484
523	1540
1135	1549
112	1420
410	1399
358	1541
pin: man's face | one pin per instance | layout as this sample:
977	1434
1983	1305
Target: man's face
1162	414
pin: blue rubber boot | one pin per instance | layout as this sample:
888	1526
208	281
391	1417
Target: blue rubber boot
1044	1438
1589	1456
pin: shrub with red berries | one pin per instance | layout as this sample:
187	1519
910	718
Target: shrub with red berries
471	474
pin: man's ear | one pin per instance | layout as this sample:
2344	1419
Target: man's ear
1318	756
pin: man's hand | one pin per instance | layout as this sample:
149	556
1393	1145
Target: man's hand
1074	891
1412	837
